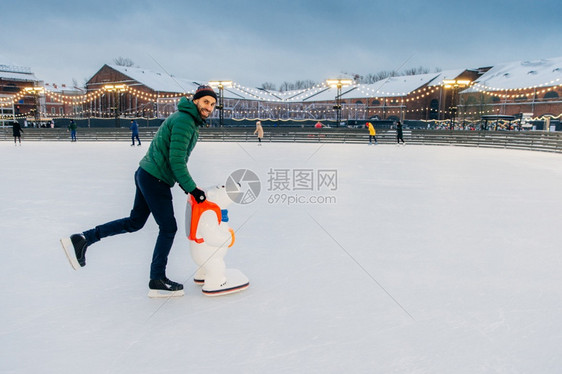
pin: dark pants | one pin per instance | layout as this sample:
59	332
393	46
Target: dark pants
152	196
133	137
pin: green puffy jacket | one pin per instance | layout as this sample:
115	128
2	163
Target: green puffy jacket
169	151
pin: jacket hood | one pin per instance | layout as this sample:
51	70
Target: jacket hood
189	107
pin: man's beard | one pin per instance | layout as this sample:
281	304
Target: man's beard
203	113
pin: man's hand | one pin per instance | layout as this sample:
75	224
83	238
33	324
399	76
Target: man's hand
198	195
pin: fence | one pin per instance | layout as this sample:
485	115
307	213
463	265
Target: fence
527	140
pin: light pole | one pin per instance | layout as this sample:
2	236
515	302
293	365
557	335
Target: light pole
35	91
455	84
220	105
118	89
338	84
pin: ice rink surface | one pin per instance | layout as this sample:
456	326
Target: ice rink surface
412	259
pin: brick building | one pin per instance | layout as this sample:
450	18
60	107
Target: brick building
62	100
17	97
521	87
532	89
135	92
415	97
529	89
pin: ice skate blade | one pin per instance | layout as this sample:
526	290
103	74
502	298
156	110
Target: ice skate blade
163	293
226	291
70	253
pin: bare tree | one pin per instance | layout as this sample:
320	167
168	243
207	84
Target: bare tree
285	86
301	85
356	77
268	86
298	85
385	74
123	61
375	77
416	71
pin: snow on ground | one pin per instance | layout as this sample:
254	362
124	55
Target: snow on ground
430	260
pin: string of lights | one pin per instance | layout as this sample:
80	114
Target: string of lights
80	99
393	103
350	108
503	93
368	92
254	115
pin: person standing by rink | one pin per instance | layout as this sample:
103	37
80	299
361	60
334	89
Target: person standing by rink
164	164
399	133
16	131
259	131
72	128
372	133
134	132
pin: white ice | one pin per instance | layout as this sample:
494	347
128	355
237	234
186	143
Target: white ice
431	260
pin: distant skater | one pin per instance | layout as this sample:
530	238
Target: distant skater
134	132
72	128
399	134
372	133
17	130
259	131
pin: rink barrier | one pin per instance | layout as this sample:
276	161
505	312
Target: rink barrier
525	140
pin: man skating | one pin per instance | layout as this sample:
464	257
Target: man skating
399	133
72	128
259	132
16	130
164	164
372	133
134	132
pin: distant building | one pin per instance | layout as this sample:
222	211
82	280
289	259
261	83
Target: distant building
14	100
523	89
511	88
517	88
135	92
420	97
63	100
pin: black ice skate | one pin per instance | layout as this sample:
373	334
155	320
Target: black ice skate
75	249
164	288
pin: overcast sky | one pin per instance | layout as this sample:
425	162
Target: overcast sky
257	41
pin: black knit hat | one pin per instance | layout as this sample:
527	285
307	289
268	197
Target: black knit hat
204	91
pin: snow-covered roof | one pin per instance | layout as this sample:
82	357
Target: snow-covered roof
63	88
520	74
163	82
17	73
446	74
157	81
389	87
393	86
238	91
511	75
